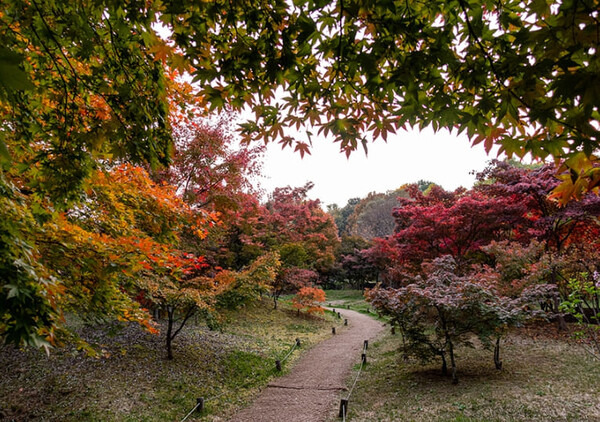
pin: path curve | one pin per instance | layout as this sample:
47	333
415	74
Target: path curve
311	390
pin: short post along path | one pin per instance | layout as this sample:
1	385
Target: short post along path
310	392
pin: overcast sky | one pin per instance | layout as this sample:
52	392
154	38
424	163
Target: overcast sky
443	158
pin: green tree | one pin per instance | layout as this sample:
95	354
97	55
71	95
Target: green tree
341	215
80	88
520	75
373	215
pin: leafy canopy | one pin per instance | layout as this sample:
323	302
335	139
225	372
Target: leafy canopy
88	78
521	75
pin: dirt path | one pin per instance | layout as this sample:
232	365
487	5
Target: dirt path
312	389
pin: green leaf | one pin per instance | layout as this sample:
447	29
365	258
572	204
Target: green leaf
4	154
13	290
12	77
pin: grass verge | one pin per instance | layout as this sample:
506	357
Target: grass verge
133	381
351	299
543	379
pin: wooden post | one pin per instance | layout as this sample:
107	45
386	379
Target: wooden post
366	345
343	408
346	321
393	330
347	306
199	404
332	330
298	342
334	310
339	315
364	358
278	365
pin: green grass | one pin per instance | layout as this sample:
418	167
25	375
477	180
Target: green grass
543	379
133	381
350	299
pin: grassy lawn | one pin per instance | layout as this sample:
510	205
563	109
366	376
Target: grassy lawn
133	381
543	379
350	299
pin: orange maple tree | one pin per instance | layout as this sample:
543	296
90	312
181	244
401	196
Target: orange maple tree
118	252
309	298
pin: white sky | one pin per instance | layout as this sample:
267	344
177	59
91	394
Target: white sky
443	158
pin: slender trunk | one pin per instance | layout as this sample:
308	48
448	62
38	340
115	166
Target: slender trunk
170	313
497	360
562	324
444	364
452	363
274	302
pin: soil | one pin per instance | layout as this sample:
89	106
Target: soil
312	390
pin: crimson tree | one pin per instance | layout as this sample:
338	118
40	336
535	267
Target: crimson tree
440	223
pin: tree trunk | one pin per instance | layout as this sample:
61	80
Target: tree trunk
562	324
274	302
497	360
170	313
452	363
444	364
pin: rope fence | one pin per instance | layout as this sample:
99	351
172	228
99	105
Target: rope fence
344	402
279	362
200	401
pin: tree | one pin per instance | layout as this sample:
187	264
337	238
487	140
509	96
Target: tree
518	75
165	283
297	228
440	311
584	304
447	223
292	280
372	217
28	294
561	228
210	170
341	215
556	224
424	184
353	267
309	298
251	282
109	256
515	267
304	234
80	90
86	84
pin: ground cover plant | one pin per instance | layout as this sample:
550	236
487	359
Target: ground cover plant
132	381
544	377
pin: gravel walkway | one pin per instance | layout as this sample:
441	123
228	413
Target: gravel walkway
311	391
